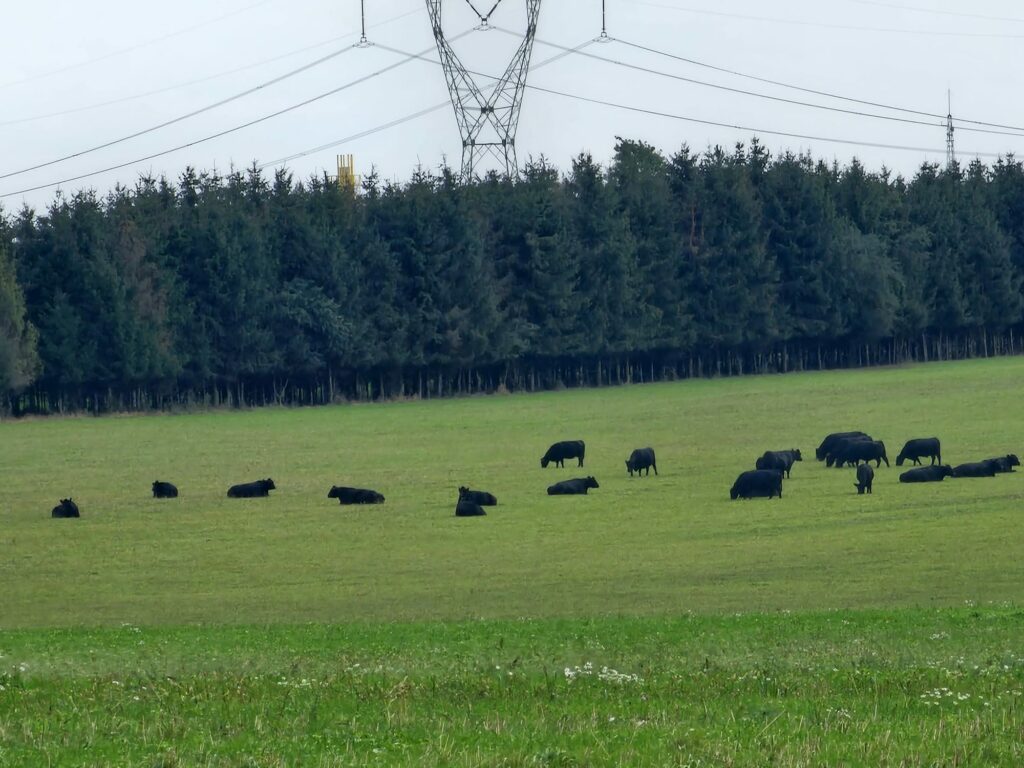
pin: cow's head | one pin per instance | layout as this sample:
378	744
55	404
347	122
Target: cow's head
734	493
333	493
269	484
796	455
463	491
945	471
1012	460
591	482
544	462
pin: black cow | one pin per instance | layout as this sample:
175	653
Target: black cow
483	498
929	474
567	449
855	453
1004	463
974	469
780	460
757	482
580	485
66	508
164	490
346	495
640	459
840	445
251	490
826	445
468	508
922	446
865	476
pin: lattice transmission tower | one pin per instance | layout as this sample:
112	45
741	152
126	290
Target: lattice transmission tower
950	146
487	121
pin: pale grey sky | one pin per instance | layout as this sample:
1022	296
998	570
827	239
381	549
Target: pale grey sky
77	75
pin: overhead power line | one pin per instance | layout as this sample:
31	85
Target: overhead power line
194	113
138	46
825	25
827	94
225	132
208	78
937	12
755	94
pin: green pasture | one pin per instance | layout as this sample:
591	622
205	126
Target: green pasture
636	546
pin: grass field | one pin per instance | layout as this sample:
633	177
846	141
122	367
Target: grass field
822	628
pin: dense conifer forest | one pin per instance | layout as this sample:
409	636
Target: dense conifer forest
241	289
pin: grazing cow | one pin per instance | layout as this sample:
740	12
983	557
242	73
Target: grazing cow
757	482
483	498
855	453
1004	463
974	469
826	444
346	495
567	449
780	460
640	459
922	446
164	490
865	476
468	508
580	485
66	508
251	490
929	474
839	446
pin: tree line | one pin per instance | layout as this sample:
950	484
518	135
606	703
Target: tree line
247	289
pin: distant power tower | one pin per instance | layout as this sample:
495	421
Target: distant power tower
487	123
950	149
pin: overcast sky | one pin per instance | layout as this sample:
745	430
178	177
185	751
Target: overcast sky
77	75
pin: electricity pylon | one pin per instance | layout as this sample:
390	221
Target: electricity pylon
487	122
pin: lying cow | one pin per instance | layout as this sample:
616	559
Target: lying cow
855	453
483	498
346	495
929	474
865	476
251	490
567	449
580	485
1004	463
826	445
164	490
640	459
840	446
780	460
974	469
918	447
66	508
468	508
757	482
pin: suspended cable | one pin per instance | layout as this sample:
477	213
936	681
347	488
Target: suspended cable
209	107
937	12
264	118
206	79
144	44
825	25
828	94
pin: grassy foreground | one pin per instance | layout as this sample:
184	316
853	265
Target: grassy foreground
898	688
641	546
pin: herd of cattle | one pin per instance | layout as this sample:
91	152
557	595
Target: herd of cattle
842	449
839	449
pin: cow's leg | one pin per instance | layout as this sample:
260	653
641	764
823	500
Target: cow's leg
655	469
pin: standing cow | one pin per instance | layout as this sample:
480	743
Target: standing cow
640	459
826	445
865	476
780	460
757	482
855	453
567	449
921	446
